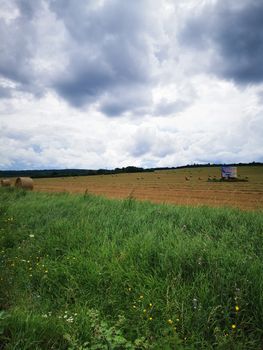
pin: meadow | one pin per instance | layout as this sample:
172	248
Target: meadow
169	186
85	272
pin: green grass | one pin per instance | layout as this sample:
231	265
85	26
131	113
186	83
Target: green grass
84	272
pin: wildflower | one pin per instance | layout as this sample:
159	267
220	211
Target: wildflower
144	311
178	319
45	316
134	306
31	236
150	318
237	308
141	296
170	321
194	303
129	289
233	326
46	271
150	304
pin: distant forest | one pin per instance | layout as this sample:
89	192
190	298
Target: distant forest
83	172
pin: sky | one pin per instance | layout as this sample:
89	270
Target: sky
111	83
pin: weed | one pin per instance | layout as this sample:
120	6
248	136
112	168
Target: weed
128	275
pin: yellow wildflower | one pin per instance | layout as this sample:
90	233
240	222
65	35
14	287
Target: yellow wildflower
170	321
233	326
237	308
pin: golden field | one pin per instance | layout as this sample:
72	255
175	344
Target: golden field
169	186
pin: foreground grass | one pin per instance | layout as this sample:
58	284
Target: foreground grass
83	272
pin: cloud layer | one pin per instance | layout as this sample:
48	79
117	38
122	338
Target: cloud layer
232	33
107	83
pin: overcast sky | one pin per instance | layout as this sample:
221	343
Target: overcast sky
111	83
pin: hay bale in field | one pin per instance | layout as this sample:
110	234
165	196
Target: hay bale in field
25	183
187	178
199	178
5	183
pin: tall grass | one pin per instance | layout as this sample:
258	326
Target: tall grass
84	272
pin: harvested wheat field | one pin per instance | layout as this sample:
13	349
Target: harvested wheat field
182	186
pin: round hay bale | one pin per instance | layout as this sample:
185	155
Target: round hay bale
25	183
187	178
5	183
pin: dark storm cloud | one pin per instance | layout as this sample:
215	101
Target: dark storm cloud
120	100
28	8
14	53
84	81
234	30
106	49
18	45
108	52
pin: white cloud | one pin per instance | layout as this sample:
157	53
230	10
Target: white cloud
115	86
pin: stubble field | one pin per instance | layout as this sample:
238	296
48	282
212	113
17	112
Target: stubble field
169	187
